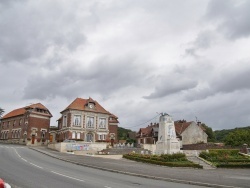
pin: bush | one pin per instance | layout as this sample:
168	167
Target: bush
164	160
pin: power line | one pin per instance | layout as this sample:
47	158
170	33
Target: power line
144	122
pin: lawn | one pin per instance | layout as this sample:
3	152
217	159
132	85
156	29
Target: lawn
226	158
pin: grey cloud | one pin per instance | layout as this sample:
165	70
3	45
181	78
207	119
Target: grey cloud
172	84
225	81
203	41
233	80
231	16
26	32
103	76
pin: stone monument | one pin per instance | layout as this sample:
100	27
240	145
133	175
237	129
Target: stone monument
167	142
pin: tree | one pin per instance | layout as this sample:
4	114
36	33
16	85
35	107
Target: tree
238	137
1	112
209	132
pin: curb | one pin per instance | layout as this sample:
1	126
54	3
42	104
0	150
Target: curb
138	175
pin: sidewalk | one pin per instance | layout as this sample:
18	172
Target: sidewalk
210	178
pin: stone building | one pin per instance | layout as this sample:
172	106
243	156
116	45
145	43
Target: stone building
86	120
27	125
186	132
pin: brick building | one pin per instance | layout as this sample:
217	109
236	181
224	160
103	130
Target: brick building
86	120
28	125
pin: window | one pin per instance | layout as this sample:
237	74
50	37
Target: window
43	134
90	122
77	120
14	122
102	137
73	135
20	121
102	123
78	135
64	121
89	137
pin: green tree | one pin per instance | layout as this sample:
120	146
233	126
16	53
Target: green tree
238	137
1	112
210	133
122	133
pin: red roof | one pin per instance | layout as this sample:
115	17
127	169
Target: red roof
180	127
80	104
21	111
147	130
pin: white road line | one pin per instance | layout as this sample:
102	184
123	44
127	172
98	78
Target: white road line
67	176
107	187
17	152
36	166
24	159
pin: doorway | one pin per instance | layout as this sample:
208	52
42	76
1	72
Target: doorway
33	139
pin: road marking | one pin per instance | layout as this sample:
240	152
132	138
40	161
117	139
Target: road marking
36	166
17	153
67	176
107	187
24	159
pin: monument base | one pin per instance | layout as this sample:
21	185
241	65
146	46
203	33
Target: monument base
167	147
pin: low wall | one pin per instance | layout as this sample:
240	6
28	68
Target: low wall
79	148
150	147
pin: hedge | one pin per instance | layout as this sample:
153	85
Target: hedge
160	160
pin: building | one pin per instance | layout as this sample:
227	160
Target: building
186	132
148	135
28	125
86	120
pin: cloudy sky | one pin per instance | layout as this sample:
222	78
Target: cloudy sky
190	59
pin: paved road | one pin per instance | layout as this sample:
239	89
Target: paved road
26	168
213	178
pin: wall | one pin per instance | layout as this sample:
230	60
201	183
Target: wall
193	135
92	147
151	147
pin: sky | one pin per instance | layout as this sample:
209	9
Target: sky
190	59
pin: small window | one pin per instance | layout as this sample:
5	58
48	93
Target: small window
73	135
78	135
64	121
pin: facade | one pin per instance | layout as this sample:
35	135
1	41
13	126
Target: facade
28	125
186	133
148	135
86	120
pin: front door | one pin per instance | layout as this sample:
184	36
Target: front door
112	142
33	139
51	138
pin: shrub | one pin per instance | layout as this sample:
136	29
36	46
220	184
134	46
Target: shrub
164	160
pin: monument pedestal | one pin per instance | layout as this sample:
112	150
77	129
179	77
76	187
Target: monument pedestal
167	142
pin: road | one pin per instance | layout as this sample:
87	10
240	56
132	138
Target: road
22	167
